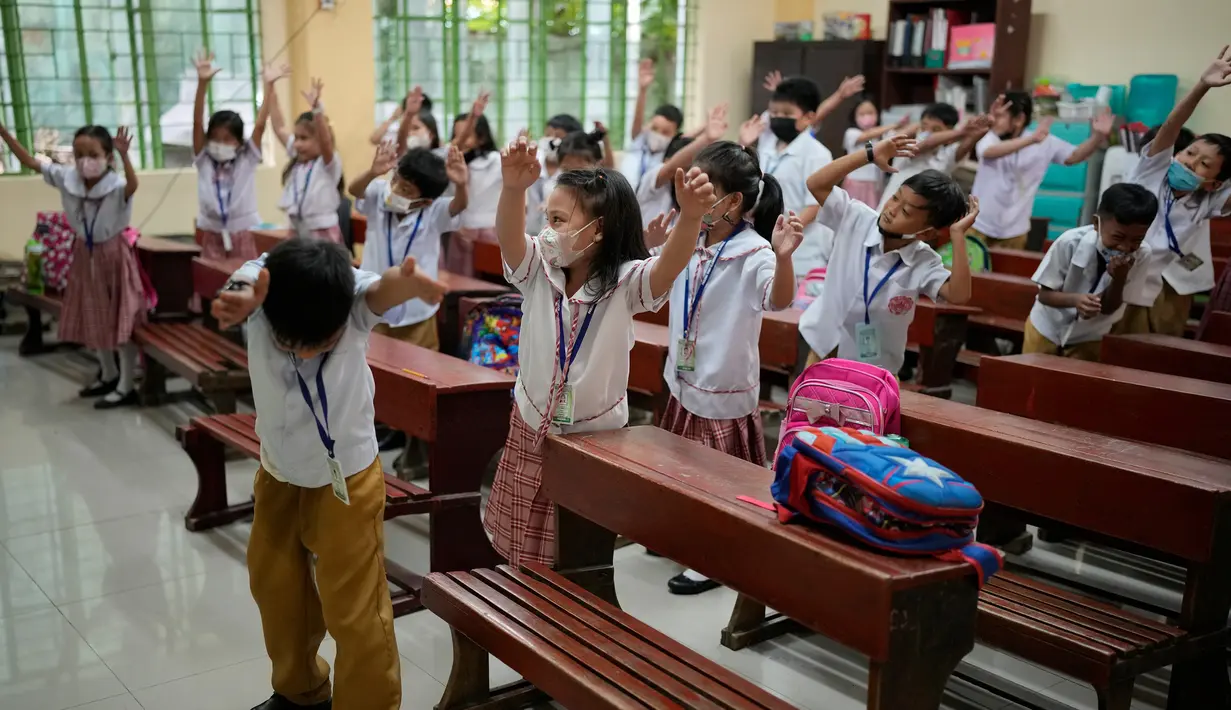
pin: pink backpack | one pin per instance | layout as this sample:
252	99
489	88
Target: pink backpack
809	288
842	393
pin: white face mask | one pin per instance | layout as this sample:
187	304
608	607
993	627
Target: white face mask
656	141
221	152
548	148
91	168
558	249
922	135
417	140
397	203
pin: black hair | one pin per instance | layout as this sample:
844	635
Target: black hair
429	122
1128	203
100	134
564	122
1184	139
310	118
860	101
1223	144
606	195
483	136
588	146
311	290
800	91
228	120
680	142
425	106
425	170
1020	104
945	113
737	169
671	113
945	198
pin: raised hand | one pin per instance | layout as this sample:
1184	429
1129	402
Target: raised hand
977	124
751	130
414	101
204	62
693	192
964	224
999	106
386	158
1043	130
519	164
884	152
424	287
313	94
716	124
455	166
1089	305
656	230
273	73
788	235
1219	73
645	73
1102	124
903	122
480	104
772	80
123	140
231	308
851	86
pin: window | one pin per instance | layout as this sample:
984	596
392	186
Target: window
68	63
537	57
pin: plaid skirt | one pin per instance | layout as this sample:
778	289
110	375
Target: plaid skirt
519	518
458	258
743	438
242	245
104	300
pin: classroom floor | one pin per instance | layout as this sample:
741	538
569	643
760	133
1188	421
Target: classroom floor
108	603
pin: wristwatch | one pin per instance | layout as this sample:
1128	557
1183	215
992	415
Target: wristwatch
871	153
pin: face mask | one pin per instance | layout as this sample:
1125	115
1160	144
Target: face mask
784	128
549	149
1181	178
709	218
558	248
865	122
1105	251
922	135
657	142
397	203
417	140
220	152
91	168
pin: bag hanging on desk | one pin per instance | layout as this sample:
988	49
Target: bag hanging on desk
492	334
883	494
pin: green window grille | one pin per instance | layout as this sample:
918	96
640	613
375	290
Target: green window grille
539	58
68	63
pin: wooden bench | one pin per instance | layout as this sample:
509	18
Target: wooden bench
1169	355
1006	301
1218	328
488	264
571	646
1020	262
36	305
913	617
214	365
1174	504
1118	401
168	263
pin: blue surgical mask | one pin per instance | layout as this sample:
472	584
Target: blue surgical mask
1105	251
1181	179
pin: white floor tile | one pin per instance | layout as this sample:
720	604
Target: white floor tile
120	702
18	592
46	665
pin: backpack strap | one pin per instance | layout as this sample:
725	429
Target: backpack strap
986	559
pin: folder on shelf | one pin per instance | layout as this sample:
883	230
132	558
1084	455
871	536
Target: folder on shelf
972	46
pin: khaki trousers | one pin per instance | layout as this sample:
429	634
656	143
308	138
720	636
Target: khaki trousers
1034	342
423	333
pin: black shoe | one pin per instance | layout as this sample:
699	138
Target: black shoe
99	388
390	439
651	553
127	400
278	702
684	585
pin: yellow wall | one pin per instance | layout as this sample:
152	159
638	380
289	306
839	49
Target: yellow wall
726	30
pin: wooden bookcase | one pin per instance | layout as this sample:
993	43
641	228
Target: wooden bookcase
916	85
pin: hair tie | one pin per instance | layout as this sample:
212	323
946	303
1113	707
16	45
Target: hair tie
760	189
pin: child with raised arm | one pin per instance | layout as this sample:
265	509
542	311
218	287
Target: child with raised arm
1191	187
316	551
654	192
310	194
940	144
881	263
104	300
582	278
473	136
646	152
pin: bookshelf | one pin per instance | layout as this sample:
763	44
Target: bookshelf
916	84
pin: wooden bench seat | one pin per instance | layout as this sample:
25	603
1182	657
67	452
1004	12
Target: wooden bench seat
36	305
1006	301
1169	355
571	646
214	365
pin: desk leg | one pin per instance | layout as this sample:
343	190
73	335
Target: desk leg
931	629
585	554
32	341
1202	682
748	624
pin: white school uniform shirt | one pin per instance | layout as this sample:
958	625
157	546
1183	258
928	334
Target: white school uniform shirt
654	200
310	197
726	327
943	159
599	375
832	318
1190	217
851	144
1072	266
1006	186
231	185
792	166
291	447
483	189
638	160
103	207
536	200
385	227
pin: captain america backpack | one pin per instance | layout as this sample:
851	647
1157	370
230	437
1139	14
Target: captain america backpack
886	496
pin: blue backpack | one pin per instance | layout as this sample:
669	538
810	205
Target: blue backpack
492	334
883	494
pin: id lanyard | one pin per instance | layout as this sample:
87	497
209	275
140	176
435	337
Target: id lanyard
322	428
299	198
1172	242
867	300
87	226
567	364
690	314
389	237
223	205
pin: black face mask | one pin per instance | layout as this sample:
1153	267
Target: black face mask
784	128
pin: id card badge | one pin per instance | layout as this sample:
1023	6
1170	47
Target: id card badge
686	356
338	480
226	240
868	342
1191	262
564	410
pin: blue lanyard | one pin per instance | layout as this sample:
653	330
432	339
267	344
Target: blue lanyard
88	225
389	237
867	267
645	163
321	428
1172	242
222	206
307	181
565	365
690	314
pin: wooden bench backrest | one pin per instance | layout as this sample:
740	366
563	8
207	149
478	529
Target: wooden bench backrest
648	357
1118	401
209	275
1003	295
1218	328
1164	499
1169	355
267	239
1015	262
487	259
679	498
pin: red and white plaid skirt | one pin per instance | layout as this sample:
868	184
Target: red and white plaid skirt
243	246
104	300
742	438
519	518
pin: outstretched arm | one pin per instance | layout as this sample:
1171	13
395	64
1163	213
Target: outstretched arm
1218	74
204	62
695	194
123	140
383	162
1100	128
714	129
645	78
519	166
850	86
957	289
410	107
822	182
19	151
378	135
399	285
459	175
271	76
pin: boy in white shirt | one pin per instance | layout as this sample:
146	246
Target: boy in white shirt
881	263
1012	163
790	153
647	151
1087	272
941	144
319	491
1191	188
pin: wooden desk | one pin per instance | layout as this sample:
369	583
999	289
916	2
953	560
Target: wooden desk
267	239
1169	355
913	617
487	261
169	266
1218	328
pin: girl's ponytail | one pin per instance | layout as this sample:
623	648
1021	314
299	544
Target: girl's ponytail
735	168
768	207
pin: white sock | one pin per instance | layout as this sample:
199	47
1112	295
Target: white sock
128	369
695	576
106	359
